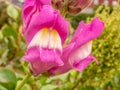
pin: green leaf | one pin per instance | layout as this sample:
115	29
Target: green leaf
8	31
1	35
8	79
51	87
43	80
3	88
12	12
86	88
26	87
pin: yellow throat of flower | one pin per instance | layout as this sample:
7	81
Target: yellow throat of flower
46	38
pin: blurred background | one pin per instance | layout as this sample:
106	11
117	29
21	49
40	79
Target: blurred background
104	76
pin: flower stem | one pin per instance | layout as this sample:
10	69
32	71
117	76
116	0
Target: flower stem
76	84
64	9
19	86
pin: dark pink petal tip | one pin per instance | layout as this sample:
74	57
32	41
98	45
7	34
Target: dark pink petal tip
80	66
42	60
87	32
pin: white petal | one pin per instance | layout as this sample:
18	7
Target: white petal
55	40
40	39
46	38
81	53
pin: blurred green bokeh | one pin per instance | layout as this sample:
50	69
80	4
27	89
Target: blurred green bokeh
105	76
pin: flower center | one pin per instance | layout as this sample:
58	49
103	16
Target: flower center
47	38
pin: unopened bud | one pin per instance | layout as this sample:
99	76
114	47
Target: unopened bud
76	6
71	6
58	4
74	10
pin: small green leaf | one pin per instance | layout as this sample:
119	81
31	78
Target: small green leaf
8	79
12	12
43	80
26	87
51	87
8	31
1	35
86	88
3	88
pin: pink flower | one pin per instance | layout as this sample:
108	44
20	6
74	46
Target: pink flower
45	35
46	30
76	55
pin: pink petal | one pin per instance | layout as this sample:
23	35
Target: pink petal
84	34
47	18
45	2
76	54
87	32
42	60
70	58
62	26
80	66
30	4
80	53
66	67
30	7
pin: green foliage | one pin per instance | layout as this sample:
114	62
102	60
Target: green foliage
12	12
11	42
76	19
7	79
106	49
12	46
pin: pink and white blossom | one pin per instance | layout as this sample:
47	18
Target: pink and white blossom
46	31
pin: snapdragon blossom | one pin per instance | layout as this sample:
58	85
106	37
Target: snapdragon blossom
77	54
46	31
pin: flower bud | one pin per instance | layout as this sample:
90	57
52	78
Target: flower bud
71	6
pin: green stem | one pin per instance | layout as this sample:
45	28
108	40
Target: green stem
23	82
64	9
76	84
